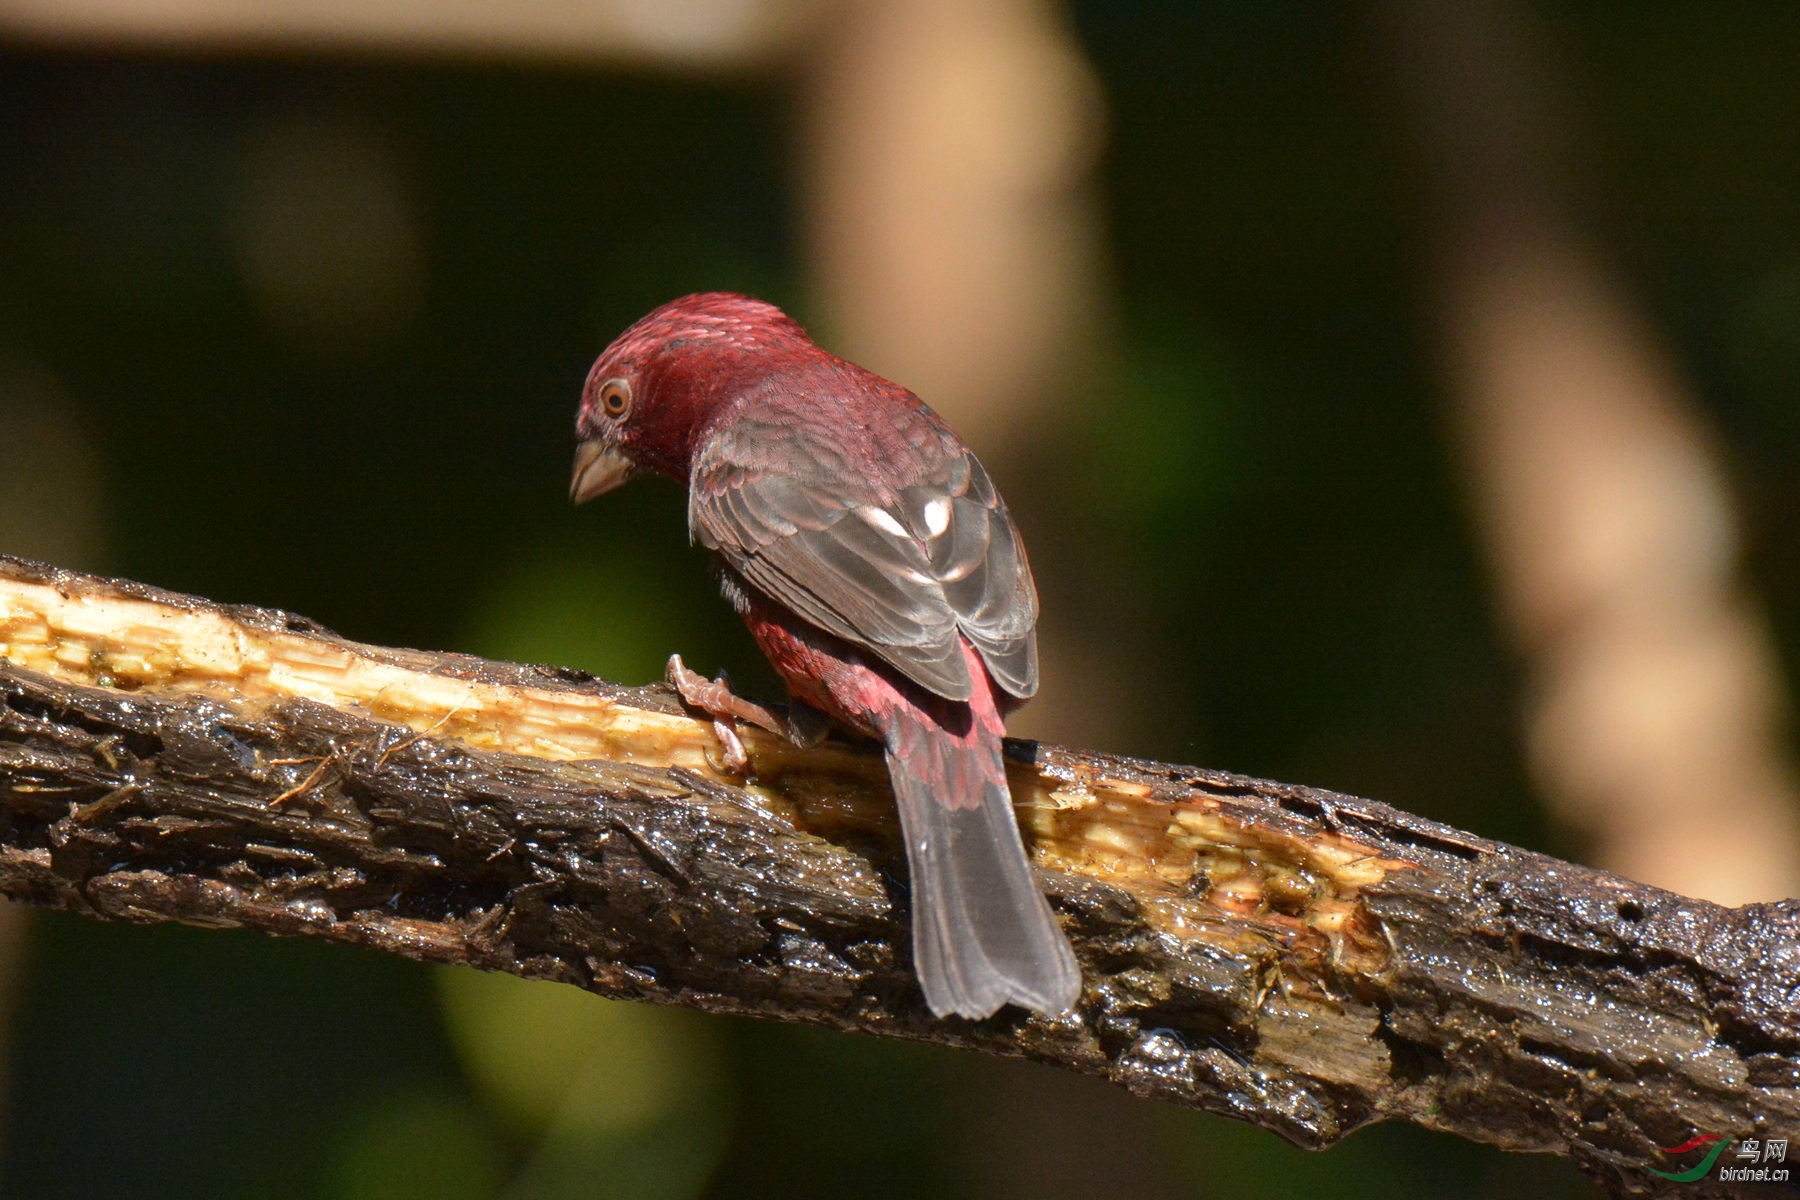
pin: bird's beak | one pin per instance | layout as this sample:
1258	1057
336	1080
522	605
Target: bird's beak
599	468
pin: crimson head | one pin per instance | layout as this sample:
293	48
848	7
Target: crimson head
653	393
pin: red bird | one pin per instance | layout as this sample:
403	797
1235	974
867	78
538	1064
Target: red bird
878	570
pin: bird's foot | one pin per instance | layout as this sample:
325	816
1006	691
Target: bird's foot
715	698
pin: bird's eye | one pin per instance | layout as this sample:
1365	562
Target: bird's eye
615	397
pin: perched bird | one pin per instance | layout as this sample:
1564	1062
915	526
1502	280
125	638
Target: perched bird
876	567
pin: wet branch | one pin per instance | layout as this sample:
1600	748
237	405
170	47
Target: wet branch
1298	959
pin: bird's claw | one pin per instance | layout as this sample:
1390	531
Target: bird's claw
715	698
735	760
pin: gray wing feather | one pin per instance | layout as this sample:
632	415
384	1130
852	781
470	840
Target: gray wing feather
902	578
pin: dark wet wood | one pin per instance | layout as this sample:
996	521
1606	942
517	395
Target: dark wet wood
1254	966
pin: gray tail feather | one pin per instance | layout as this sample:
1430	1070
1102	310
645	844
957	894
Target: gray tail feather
983	933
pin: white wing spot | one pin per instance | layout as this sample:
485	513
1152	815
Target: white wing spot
937	516
881	519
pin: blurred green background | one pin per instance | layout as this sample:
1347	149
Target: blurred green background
1251	485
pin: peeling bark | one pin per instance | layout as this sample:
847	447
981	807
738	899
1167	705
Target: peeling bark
1301	960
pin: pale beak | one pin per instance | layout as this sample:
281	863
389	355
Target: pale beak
599	468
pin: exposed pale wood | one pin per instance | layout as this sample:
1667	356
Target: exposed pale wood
1295	958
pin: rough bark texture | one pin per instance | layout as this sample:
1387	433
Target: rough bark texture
1302	960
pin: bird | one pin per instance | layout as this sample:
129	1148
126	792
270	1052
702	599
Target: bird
878	570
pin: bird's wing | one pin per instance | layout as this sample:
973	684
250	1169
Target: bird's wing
901	577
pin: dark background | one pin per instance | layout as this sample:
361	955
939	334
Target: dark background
1260	472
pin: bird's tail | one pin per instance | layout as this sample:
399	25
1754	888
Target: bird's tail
983	934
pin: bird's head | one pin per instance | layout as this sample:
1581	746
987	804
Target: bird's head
652	392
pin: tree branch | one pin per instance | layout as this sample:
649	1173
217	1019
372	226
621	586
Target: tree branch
1298	959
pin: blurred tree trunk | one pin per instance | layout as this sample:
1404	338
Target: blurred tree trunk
955	244
1658	719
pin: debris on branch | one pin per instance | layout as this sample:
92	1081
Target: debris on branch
1301	960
